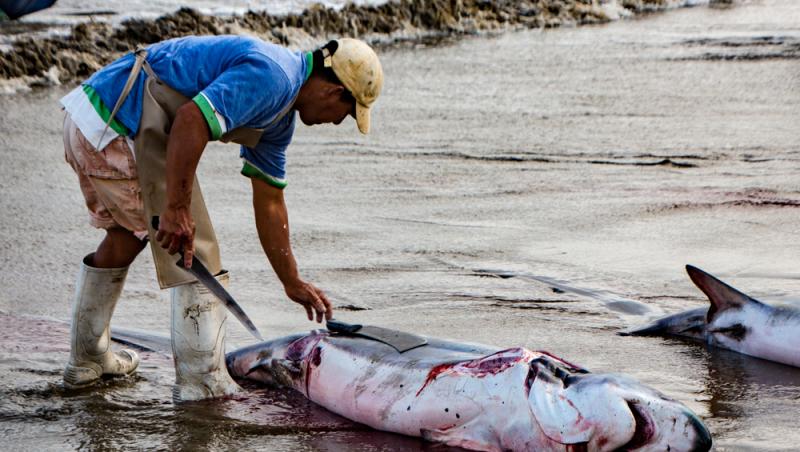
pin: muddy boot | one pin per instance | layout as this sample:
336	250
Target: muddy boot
90	357
198	344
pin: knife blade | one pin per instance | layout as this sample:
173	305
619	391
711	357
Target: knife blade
199	271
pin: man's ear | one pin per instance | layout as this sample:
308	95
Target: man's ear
335	91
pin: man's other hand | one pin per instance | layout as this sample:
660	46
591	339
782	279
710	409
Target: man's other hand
312	298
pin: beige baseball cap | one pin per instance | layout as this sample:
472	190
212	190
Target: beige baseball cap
357	67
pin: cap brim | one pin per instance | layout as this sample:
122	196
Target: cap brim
362	118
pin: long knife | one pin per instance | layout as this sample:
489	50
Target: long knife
199	271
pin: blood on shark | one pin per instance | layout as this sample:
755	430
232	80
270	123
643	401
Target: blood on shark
472	396
734	321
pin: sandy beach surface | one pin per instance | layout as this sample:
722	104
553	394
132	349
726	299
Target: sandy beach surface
586	166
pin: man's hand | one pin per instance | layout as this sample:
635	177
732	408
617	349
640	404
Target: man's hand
312	298
176	232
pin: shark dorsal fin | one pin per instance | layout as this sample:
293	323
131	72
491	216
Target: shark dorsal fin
721	295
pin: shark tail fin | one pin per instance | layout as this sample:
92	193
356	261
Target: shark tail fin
142	340
721	295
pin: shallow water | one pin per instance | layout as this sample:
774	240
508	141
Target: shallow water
71	11
539	188
59	19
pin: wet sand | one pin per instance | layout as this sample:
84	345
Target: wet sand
536	188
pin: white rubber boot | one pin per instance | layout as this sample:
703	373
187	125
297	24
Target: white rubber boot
90	357
198	344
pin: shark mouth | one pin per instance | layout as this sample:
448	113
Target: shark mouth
645	429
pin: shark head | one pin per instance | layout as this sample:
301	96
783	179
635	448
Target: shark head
607	412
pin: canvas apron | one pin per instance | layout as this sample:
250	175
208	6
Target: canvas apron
159	106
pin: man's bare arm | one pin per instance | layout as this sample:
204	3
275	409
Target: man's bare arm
272	222
187	140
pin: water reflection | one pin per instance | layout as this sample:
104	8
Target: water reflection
741	390
735	381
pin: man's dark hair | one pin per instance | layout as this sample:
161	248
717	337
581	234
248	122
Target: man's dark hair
327	73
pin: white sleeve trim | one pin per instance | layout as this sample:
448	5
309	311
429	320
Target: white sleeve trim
220	119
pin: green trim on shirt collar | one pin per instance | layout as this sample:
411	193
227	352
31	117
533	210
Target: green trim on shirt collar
208	113
103	111
309	64
254	173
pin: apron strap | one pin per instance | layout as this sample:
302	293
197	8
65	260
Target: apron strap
284	112
149	70
141	54
250	137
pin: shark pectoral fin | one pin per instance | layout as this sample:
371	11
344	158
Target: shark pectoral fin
721	295
471	437
434	436
258	365
281	371
285	371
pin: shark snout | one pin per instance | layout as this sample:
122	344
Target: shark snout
702	442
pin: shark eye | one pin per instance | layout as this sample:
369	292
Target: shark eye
737	331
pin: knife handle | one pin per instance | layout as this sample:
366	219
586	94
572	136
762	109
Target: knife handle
154	222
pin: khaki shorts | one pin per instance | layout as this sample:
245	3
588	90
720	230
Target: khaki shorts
108	179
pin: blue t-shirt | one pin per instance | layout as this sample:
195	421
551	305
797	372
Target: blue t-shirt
236	81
